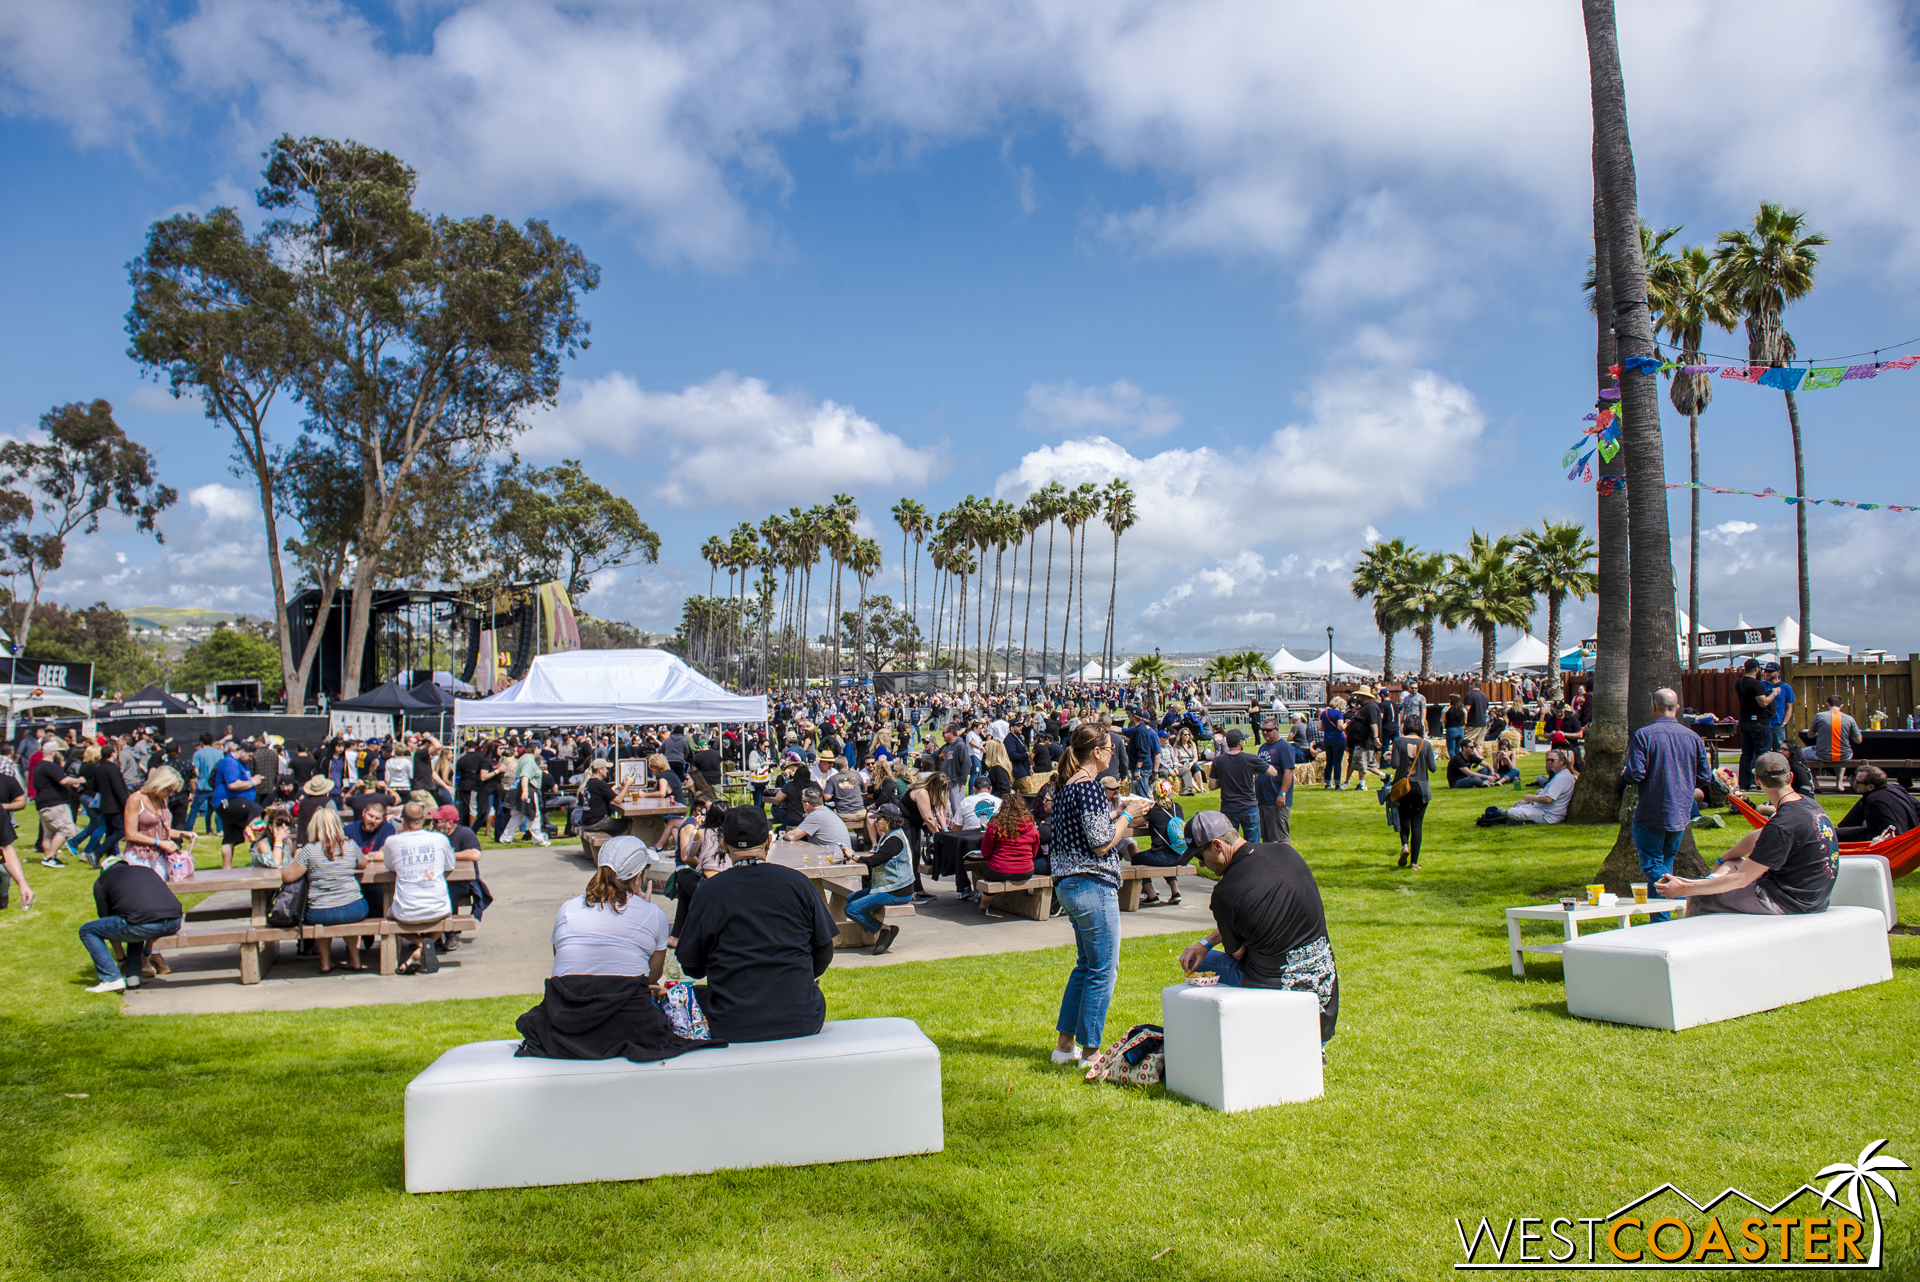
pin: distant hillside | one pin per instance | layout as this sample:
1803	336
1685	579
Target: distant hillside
171	616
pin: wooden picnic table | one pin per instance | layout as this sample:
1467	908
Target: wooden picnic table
260	943
837	883
647	817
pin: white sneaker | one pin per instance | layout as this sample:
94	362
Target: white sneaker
1067	1057
111	986
131	981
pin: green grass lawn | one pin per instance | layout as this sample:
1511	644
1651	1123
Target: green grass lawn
215	1147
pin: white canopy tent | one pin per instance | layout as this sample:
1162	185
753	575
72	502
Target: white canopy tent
22	698
610	687
1527	652
1788	636
1285	664
1786	640
1341	667
1095	672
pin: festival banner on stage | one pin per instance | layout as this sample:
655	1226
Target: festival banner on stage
556	612
486	667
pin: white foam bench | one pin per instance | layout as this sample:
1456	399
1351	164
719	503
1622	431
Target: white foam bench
479	1117
1697	970
1239	1048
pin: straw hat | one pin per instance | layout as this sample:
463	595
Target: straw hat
1364	692
317	786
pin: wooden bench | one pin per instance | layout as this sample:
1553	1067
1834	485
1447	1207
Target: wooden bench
1838	769
1036	893
259	944
852	933
389	933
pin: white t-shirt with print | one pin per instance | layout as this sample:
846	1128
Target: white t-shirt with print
420	862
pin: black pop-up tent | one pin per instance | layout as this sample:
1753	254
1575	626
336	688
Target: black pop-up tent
150	702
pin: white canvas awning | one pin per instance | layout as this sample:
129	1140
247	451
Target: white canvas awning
1285	664
1340	666
1788	635
1095	672
1528	652
24	698
610	687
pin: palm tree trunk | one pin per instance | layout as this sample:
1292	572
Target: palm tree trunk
1489	643
1113	595
1026	622
1066	621
1554	600
1080	658
1386	660
1800	531
914	614
1426	654
1693	545
1594	799
1046	607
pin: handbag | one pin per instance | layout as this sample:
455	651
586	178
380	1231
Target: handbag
1404	785
683	1012
1138	1058
289	907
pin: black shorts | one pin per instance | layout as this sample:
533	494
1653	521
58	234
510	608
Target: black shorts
235	814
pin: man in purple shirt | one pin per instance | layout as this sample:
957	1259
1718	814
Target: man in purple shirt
1668	761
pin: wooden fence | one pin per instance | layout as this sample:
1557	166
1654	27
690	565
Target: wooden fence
1864	689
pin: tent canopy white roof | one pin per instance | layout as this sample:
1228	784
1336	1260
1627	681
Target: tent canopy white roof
1340	666
25	698
1285	664
1786	641
1095	672
597	687
1527	652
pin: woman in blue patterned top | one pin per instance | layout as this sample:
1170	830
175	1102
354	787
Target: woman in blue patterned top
1087	854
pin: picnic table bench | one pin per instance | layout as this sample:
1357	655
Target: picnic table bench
837	883
1035	893
221	926
1898	768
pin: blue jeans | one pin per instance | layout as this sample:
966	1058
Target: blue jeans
1248	822
1094	910
1754	740
1471	781
864	908
95	934
1454	736
1221	964
1143	783
1657	851
202	805
344	914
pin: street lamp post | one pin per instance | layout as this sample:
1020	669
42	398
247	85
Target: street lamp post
1329	663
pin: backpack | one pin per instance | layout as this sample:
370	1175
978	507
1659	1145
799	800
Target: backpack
1177	833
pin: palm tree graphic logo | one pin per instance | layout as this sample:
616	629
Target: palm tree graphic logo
1863	1175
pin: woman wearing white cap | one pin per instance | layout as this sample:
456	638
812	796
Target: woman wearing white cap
609	946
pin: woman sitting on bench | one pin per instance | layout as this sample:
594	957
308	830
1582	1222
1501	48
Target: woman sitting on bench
609	948
329	863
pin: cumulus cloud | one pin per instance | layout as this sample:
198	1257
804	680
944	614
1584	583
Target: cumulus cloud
1408	141
215	556
1201	566
1069	407
729	441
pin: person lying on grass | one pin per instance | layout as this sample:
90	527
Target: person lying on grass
1270	926
1786	867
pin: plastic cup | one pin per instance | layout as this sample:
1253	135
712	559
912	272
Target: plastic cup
1568	904
1593	895
1639	892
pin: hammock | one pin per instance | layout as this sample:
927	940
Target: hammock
1902	853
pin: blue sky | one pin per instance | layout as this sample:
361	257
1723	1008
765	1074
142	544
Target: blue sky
1307	278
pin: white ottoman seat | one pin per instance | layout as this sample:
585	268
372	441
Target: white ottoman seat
1239	1048
1698	970
480	1117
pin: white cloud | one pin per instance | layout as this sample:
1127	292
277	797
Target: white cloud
1069	407
215	556
1409	142
729	441
1202	566
1730	530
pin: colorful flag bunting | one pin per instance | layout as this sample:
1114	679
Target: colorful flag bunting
1642	364
1861	371
1825	376
1608	449
1786	379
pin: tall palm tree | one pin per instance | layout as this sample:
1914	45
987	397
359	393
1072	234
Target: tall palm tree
1863	1174
844	514
1032	516
773	536
1003	525
1762	269
1693	300
1052	498
1121	515
1486	591
863	558
1071	517
1423	592
914	524
1086	505
1555	559
1223	667
714	553
1378	575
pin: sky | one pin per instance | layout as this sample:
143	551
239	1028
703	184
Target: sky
1307	275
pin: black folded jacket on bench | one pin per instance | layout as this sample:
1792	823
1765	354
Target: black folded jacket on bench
601	1017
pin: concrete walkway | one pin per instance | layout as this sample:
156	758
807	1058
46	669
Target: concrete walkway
511	952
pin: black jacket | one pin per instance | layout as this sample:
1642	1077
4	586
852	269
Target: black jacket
1879	810
135	892
600	1017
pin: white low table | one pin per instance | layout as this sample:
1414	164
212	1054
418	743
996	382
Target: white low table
1622	912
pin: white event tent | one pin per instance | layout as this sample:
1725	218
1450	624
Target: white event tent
1340	666
1285	664
1095	671
1786	640
610	687
1528	652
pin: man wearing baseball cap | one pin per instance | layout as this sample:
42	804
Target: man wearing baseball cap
1270	925
890	877
473	894
760	936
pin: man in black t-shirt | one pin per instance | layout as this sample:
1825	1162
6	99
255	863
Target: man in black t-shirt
467	784
761	937
1786	867
135	906
1233	773
1270	925
13	798
1476	701
1756	718
56	790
